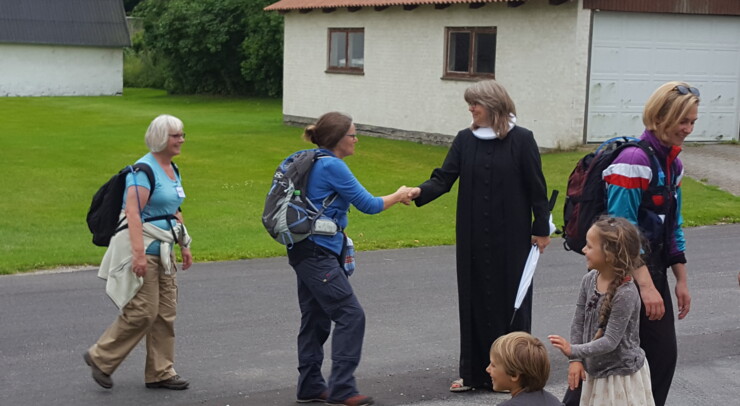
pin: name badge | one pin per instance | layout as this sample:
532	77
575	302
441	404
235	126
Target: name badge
180	191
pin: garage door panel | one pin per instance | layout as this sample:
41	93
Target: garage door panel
727	64
634	53
719	100
603	124
712	126
609	55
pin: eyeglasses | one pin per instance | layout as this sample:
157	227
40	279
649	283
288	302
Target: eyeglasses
686	90
182	135
352	135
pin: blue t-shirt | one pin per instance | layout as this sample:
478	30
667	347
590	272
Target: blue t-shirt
167	197
332	175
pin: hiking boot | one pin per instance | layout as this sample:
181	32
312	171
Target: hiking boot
357	400
174	383
321	398
99	376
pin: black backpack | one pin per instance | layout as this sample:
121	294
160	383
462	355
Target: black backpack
586	195
105	208
289	215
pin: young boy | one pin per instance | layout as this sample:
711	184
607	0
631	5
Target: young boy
519	364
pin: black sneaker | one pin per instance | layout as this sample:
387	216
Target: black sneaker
174	383
99	376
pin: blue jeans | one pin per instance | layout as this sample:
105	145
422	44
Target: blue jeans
325	295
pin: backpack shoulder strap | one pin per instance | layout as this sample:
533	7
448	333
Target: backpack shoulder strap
332	197
144	167
654	164
175	168
141	166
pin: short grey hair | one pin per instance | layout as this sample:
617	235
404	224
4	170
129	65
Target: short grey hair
159	131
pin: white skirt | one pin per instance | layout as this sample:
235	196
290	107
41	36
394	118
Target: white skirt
619	390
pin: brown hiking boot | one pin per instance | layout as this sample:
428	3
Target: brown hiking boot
357	400
316	399
174	383
99	376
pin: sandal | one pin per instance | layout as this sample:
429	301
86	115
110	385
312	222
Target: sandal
459	386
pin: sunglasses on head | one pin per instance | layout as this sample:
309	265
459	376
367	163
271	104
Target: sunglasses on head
686	90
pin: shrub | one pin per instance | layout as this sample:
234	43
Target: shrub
140	67
229	47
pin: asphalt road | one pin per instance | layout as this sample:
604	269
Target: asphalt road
238	320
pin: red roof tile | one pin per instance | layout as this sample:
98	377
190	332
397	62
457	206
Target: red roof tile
284	5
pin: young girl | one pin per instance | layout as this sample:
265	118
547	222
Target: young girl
605	328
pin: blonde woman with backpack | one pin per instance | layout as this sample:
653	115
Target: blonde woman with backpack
669	117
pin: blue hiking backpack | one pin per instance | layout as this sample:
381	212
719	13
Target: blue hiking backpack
289	215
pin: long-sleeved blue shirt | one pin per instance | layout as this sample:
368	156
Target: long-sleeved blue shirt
332	175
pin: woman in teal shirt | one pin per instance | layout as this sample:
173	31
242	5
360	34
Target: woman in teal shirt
151	312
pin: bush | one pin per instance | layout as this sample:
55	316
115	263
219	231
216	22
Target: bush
263	51
140	67
229	47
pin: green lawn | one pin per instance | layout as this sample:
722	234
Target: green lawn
57	151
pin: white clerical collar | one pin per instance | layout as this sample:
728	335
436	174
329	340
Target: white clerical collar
487	133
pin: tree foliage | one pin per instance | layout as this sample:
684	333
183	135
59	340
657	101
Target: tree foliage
263	51
129	5
215	46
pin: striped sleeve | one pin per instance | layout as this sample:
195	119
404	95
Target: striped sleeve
625	179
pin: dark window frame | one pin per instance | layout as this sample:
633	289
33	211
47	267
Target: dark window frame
346	68
471	73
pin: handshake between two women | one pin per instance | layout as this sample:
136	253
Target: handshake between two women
404	195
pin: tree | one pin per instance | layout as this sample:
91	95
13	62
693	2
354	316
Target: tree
263	50
215	46
129	5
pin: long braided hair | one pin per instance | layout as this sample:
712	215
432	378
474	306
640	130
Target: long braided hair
621	243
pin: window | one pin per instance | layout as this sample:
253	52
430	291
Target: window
346	50
470	52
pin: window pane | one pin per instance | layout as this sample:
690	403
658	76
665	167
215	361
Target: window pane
356	49
459	52
485	52
337	56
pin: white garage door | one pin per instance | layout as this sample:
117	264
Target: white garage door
634	53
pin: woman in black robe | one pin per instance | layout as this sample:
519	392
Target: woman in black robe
501	190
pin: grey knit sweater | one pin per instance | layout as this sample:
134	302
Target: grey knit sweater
618	351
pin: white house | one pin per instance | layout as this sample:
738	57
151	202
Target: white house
578	71
62	48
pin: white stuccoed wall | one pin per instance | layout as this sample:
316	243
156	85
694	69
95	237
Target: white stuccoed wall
541	58
45	70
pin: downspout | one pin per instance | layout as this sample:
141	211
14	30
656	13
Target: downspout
588	74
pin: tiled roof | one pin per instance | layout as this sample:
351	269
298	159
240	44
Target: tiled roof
64	22
285	5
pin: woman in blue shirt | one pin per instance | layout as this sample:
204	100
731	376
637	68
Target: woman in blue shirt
151	312
324	291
